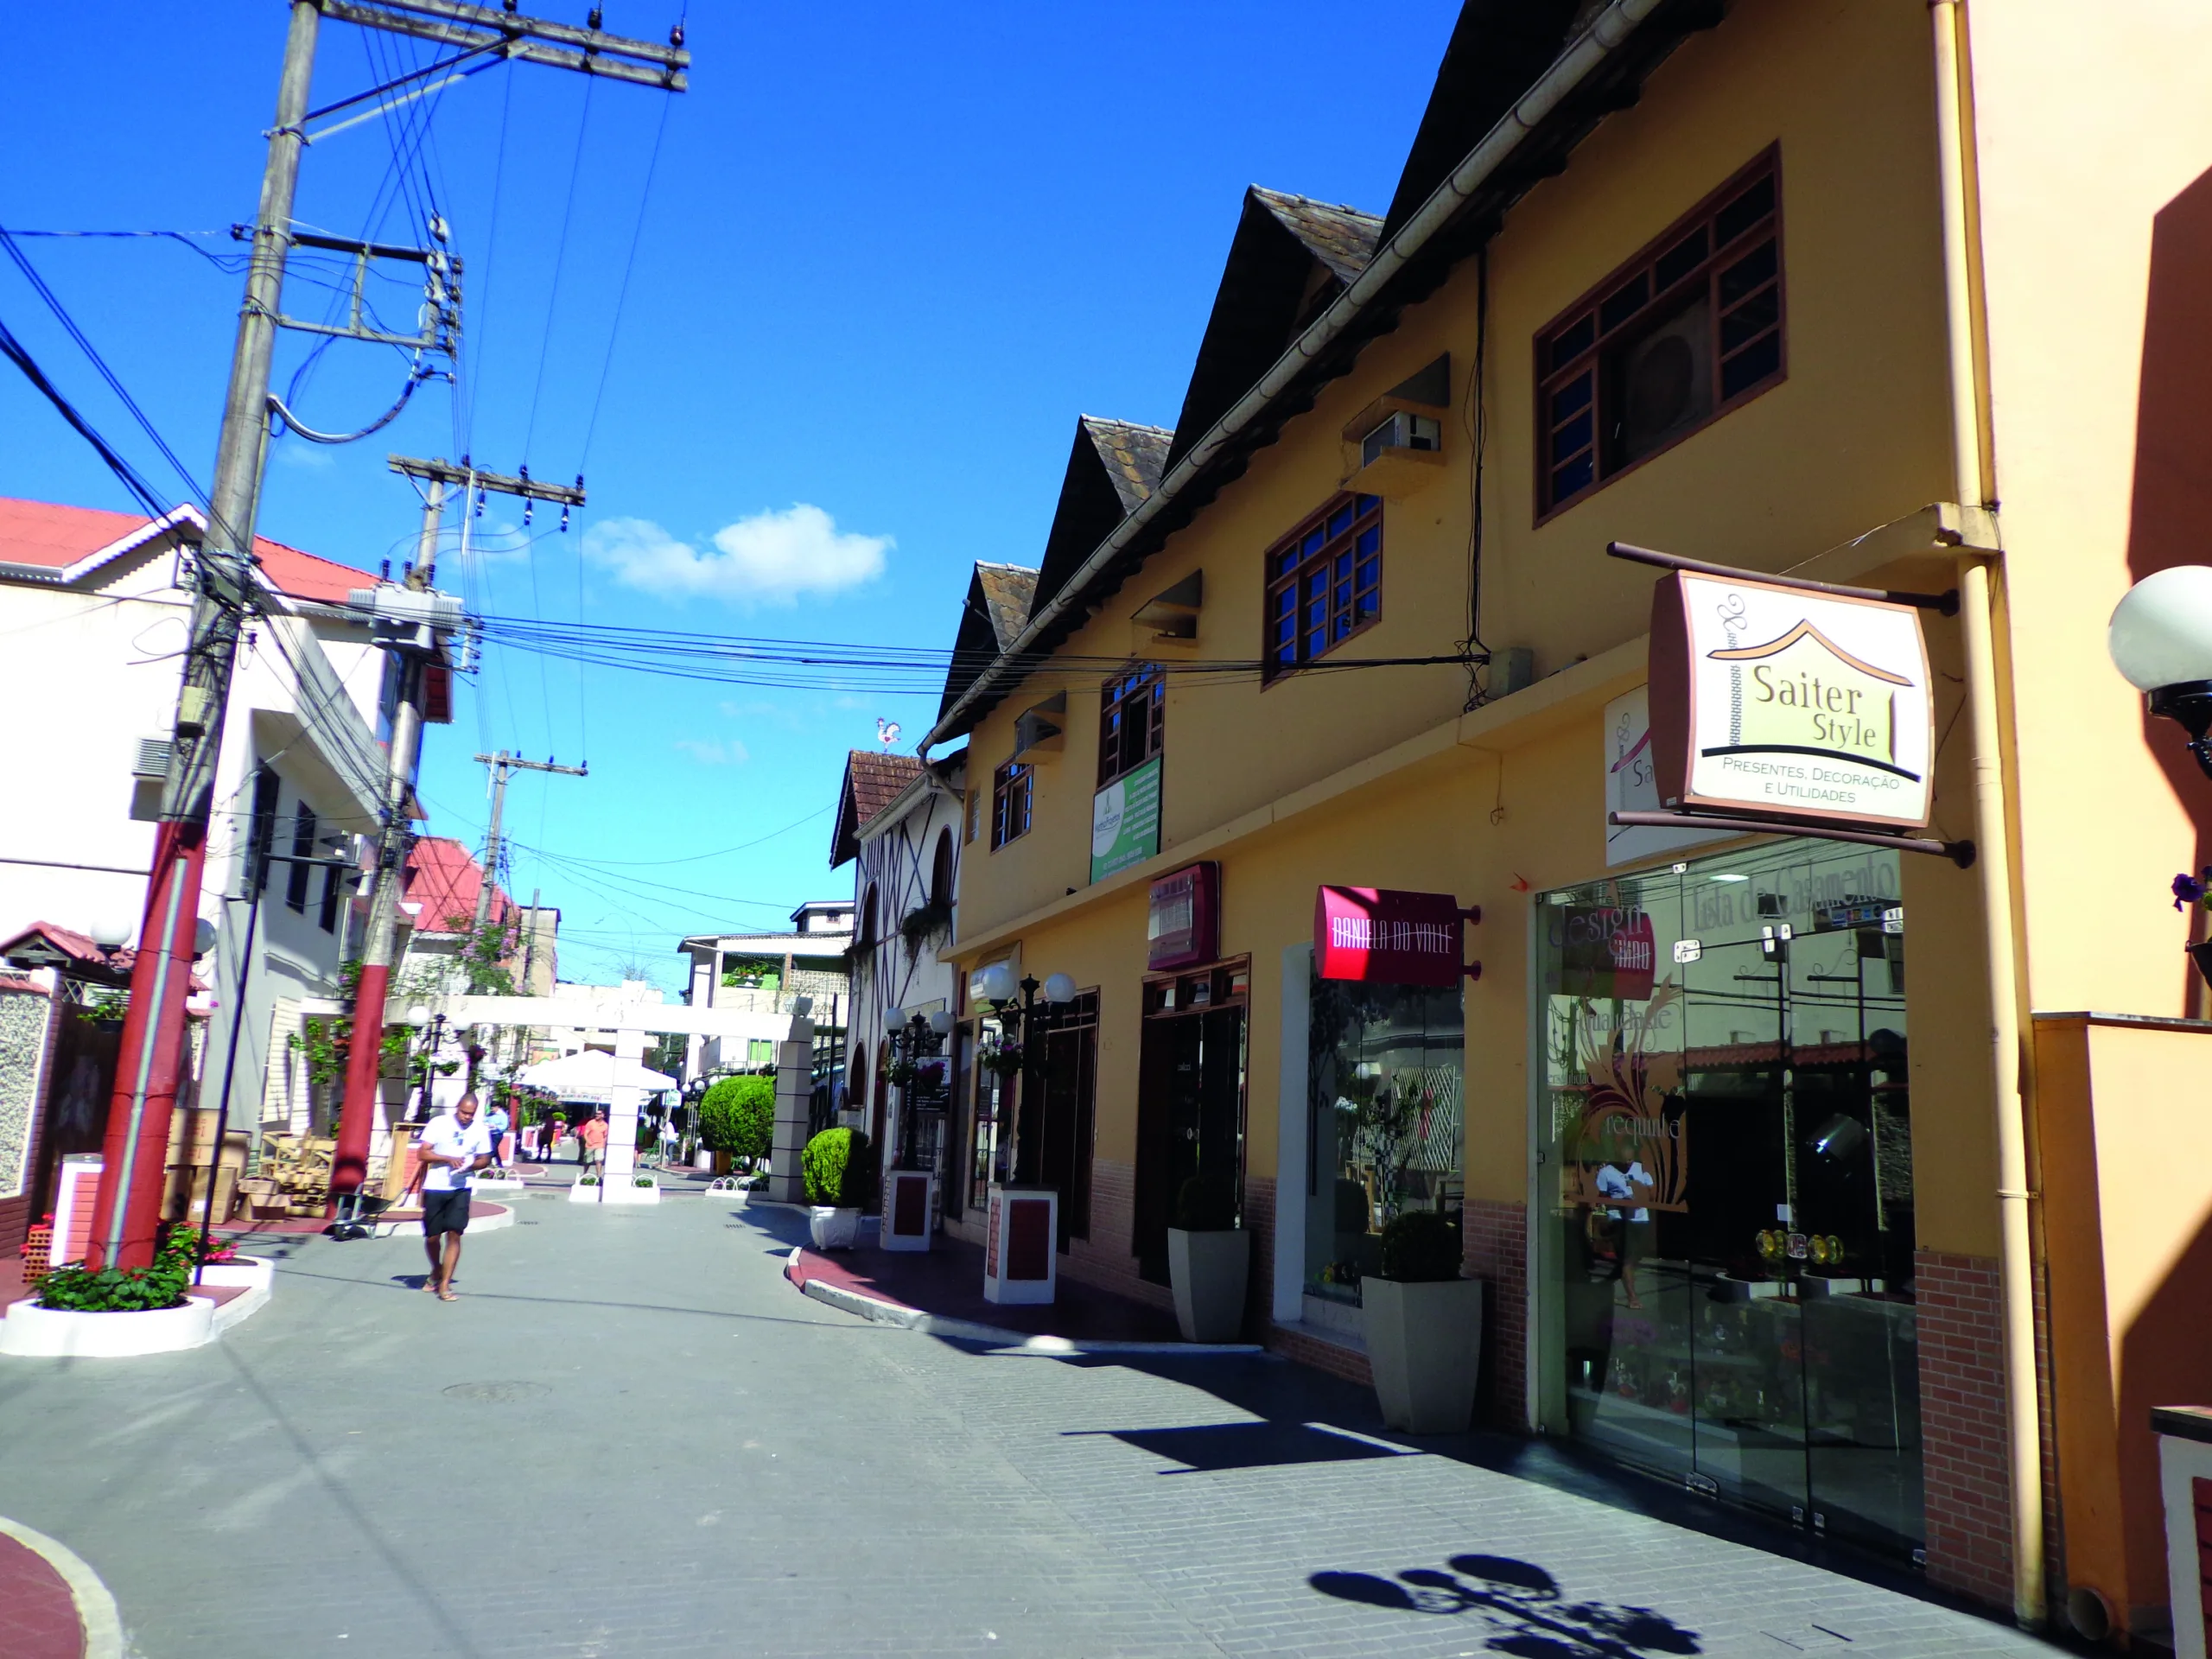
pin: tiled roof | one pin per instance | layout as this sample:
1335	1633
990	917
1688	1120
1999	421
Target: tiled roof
1134	456
1341	238
112	967
873	780
70	543
442	878
1006	590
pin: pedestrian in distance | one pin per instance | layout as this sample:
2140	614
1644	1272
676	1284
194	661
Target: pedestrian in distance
495	1121
591	1151
668	1138
453	1147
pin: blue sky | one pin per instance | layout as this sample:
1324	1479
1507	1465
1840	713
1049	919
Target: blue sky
888	255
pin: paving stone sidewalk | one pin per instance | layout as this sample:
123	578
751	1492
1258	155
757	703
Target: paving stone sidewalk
631	1436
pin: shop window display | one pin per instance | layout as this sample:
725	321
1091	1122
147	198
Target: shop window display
1726	1247
1384	1089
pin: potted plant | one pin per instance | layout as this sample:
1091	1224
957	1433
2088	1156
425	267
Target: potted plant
1424	1326
835	1167
1209	1260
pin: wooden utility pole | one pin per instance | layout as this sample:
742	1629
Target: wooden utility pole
414	651
504	766
126	1214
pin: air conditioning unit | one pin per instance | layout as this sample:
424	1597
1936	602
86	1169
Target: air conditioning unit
1666	382
1401	430
151	758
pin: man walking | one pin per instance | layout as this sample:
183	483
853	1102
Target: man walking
592	1149
495	1122
452	1147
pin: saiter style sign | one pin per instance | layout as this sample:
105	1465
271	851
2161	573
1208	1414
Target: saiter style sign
1789	703
1390	937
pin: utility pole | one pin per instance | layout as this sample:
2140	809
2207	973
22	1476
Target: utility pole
504	766
126	1214
419	612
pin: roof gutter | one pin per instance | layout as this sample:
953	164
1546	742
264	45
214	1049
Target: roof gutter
1606	34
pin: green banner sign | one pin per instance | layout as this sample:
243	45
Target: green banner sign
1125	821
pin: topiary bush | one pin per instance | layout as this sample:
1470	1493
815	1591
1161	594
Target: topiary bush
1207	1203
737	1115
835	1167
1420	1248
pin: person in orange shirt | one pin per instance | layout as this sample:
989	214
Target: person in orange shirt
594	1136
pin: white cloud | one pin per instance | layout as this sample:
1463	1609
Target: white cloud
309	457
770	558
715	751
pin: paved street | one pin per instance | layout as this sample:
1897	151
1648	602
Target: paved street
632	1437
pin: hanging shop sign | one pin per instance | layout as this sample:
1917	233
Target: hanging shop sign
1789	703
1385	936
1125	821
1183	919
1605	952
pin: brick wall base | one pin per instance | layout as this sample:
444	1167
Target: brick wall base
1321	1355
1495	1233
1962	1426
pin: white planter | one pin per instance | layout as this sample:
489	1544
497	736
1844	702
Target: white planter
484	1186
629	1192
1423	1347
833	1229
583	1192
32	1331
909	1209
1022	1263
1210	1271
702	1159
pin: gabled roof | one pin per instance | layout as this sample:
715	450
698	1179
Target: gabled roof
1497	48
44	945
42	540
1290	257
873	780
1113	467
1000	598
1241	402
442	878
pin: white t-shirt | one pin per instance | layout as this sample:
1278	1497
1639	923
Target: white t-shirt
1612	1183
444	1134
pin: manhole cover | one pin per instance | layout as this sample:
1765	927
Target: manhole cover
497	1394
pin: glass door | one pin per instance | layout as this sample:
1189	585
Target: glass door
1726	1270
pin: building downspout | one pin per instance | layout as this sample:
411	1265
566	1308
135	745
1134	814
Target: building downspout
1973	455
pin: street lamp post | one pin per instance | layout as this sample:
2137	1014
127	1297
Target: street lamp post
1020	1254
996	985
2160	638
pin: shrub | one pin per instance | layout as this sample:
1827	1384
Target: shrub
1207	1203
836	1165
1420	1247
643	1180
78	1290
739	1116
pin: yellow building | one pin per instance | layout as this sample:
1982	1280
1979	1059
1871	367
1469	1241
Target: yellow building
1891	294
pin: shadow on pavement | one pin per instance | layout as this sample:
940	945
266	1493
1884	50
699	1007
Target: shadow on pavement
1520	1605
1212	1446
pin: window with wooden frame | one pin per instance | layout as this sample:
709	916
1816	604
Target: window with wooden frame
1685	331
1324	583
1132	721
1012	787
295	880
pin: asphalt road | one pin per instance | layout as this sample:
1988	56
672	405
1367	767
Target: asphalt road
631	1436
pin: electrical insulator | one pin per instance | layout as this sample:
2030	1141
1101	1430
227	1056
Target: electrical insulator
526	504
592	17
564	518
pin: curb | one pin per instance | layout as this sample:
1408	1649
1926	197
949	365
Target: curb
880	1312
97	1613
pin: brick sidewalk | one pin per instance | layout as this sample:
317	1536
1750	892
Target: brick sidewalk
38	1614
948	1281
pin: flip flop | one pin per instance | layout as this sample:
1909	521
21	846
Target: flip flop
448	1296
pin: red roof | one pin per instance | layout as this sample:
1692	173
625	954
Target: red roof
71	542
81	949
443	878
873	779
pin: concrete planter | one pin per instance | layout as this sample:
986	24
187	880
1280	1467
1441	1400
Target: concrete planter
1210	1271
629	1192
585	1193
1424	1347
833	1229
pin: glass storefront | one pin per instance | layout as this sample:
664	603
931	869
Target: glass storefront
1726	1247
1383	1080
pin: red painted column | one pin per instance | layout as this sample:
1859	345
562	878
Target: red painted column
127	1213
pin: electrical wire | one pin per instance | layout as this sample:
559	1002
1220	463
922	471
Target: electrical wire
560	260
15	353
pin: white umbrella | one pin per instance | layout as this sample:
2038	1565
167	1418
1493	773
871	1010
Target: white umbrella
594	1074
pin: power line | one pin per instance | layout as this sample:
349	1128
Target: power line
13	350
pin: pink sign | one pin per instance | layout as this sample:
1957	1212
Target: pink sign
1389	937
